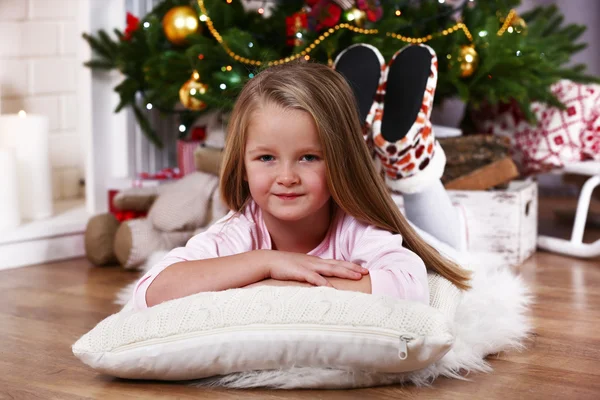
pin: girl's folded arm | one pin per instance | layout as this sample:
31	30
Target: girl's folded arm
393	270
208	275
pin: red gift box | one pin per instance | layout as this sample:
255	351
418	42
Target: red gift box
185	155
143	180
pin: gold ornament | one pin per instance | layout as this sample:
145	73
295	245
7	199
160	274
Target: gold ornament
179	22
357	16
468	59
189	89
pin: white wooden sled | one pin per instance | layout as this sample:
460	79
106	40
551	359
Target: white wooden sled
575	247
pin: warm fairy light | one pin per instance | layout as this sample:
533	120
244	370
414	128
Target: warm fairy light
229	68
398	13
261	10
200	56
229	1
307	57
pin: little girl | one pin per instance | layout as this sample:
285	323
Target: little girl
308	206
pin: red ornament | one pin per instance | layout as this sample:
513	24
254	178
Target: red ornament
332	13
133	24
372	8
325	14
198	133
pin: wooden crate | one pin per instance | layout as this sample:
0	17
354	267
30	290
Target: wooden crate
500	225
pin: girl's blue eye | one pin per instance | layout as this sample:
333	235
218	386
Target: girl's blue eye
265	158
310	157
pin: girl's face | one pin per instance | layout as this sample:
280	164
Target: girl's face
285	169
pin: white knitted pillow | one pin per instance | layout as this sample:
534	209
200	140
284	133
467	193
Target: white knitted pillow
217	333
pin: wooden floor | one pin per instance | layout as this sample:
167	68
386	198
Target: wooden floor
45	309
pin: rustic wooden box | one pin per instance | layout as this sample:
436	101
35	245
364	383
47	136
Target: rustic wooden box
500	225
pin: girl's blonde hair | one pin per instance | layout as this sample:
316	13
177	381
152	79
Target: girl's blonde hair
353	181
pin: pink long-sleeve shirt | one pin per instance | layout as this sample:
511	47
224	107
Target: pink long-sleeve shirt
394	270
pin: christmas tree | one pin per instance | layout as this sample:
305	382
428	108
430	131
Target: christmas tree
191	56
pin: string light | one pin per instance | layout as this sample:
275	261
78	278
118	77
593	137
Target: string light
398	13
149	106
146	24
305	53
261	11
229	68
181	128
223	86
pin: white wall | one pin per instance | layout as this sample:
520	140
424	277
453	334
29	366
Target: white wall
38	73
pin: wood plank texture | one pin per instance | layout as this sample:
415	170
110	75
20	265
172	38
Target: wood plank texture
45	308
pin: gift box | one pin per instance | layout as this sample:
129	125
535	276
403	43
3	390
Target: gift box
185	155
144	179
500	225
121	215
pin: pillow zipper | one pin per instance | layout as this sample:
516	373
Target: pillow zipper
403	338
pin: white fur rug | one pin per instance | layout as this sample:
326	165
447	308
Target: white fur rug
491	318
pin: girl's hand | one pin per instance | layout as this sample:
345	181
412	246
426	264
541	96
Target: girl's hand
286	266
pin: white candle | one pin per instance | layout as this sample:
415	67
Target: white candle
10	216
27	136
